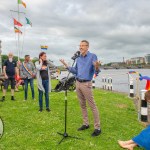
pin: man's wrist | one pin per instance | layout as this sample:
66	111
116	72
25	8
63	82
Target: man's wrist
97	69
66	66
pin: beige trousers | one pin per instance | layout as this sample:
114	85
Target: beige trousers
84	92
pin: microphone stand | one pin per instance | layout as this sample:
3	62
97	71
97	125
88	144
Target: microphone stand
65	134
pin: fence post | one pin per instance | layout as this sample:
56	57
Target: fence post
103	83
93	83
109	83
144	109
131	87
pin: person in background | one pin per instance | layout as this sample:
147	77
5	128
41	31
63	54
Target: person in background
18	80
143	139
86	66
44	80
28	73
9	70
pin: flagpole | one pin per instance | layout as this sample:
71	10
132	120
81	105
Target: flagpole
18	34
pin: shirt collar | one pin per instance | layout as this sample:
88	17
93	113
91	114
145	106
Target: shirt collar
86	54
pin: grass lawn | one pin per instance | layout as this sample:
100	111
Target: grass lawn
28	129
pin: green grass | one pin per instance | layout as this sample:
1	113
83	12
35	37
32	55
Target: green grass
28	129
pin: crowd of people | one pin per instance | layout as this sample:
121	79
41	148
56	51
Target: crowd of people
23	73
86	66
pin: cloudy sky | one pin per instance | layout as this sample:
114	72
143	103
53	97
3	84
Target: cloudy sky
114	28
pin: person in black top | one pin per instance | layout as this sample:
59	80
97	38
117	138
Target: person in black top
9	70
44	80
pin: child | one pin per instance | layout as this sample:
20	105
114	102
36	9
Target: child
143	139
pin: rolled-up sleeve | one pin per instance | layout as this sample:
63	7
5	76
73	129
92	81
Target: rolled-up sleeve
96	71
73	69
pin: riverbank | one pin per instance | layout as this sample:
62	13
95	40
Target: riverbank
126	67
27	129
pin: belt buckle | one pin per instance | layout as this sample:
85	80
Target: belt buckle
81	81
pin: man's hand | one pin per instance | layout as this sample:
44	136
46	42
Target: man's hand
97	64
33	75
18	63
6	77
63	62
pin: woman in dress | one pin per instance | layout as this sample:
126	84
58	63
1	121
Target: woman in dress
143	139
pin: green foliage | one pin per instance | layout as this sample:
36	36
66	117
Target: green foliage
5	57
28	129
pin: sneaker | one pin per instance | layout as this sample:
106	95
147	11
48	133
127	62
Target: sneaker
48	110
2	99
16	90
12	98
96	132
83	127
40	110
33	99
25	100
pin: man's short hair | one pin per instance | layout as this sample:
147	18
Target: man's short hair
26	56
147	96
85	42
10	54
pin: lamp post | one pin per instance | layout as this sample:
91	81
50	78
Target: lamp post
0	57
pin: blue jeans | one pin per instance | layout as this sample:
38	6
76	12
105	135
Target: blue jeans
45	84
26	81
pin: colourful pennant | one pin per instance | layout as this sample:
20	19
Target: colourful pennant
17	30
17	23
29	22
21	2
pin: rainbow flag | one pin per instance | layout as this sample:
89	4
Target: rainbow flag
44	47
147	87
132	72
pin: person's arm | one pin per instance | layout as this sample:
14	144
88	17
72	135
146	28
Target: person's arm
21	71
71	69
39	65
96	64
33	68
50	64
4	70
16	69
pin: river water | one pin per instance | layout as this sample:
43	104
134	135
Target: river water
120	79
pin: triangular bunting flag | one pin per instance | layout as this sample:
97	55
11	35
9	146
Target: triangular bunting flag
21	2
29	22
17	23
17	30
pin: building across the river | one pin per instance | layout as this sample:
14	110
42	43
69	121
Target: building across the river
135	60
147	59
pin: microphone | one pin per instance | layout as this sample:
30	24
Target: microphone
76	55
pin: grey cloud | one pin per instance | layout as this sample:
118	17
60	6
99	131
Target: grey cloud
115	28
